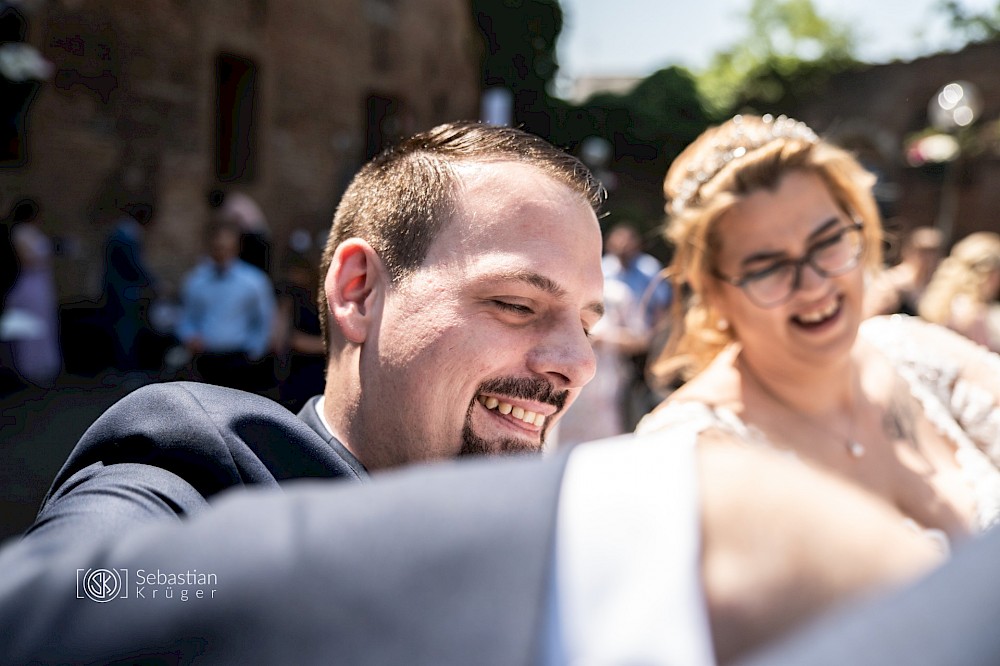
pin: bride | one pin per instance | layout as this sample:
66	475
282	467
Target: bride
773	230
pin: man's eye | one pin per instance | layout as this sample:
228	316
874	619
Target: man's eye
513	307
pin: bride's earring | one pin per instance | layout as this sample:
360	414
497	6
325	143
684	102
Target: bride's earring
722	324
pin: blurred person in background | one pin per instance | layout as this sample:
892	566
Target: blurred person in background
621	334
30	321
243	211
773	230
963	291
900	288
227	314
128	285
9	267
298	338
624	261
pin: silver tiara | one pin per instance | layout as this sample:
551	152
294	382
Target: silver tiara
741	141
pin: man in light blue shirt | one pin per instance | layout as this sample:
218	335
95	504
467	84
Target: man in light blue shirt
227	314
625	261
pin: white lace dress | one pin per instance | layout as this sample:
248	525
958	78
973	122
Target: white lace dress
966	414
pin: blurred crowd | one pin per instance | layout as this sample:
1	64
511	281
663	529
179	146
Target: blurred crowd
959	290
242	319
637	299
238	319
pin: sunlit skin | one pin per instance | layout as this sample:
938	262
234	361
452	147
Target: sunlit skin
500	308
784	224
801	374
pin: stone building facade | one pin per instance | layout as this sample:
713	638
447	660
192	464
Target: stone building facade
167	100
875	110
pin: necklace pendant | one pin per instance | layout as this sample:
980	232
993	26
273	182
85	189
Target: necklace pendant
856	448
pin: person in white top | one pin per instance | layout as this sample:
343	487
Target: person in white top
773	231
963	291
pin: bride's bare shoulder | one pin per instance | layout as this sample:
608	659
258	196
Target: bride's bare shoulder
717	385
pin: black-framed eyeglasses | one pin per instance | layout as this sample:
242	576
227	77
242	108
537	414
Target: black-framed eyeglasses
832	256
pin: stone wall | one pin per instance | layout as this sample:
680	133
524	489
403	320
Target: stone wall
130	111
875	109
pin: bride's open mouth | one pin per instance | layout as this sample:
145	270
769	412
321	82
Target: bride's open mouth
820	317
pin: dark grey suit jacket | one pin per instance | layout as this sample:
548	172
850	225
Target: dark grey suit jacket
443	564
164	450
317	573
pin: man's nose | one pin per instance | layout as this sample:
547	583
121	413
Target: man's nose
565	356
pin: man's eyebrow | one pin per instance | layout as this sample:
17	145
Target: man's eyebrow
547	285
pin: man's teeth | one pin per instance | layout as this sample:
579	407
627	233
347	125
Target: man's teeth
819	315
517	412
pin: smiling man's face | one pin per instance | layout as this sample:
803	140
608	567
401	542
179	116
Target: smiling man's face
482	347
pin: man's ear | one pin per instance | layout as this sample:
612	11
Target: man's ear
354	286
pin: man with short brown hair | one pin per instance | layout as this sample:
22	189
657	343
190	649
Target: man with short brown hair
462	276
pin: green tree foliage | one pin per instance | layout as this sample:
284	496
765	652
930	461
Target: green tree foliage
646	128
788	53
652	123
520	54
973	26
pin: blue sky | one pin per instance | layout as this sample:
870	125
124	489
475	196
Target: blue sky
637	37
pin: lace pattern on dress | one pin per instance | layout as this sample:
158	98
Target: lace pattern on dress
964	413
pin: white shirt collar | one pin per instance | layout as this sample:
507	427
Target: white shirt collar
322	419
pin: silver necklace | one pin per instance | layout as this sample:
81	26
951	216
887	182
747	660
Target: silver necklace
854	448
